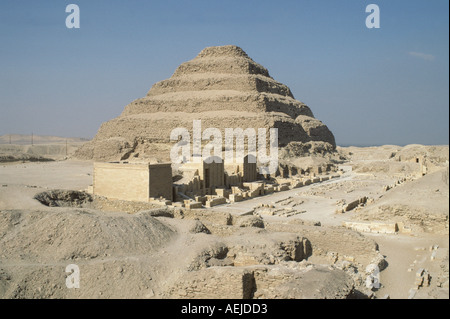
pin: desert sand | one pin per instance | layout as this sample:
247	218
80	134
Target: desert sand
249	249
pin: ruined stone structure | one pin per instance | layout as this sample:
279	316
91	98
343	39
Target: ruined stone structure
209	184
132	181
211	174
224	88
213	177
373	227
246	169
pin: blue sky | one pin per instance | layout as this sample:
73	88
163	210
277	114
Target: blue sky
370	86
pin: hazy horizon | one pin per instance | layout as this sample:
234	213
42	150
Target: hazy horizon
369	86
26	140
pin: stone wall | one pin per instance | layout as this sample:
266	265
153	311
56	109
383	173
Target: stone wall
121	181
161	181
132	182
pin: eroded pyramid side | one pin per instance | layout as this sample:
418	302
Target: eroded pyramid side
221	86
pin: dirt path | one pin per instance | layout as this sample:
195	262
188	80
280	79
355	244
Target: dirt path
405	252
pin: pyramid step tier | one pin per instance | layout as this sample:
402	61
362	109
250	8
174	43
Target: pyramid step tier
221	65
217	100
157	127
223	87
213	81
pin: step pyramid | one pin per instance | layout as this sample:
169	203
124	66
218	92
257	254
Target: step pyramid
224	88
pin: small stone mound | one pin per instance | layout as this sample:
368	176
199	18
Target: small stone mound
250	221
199	227
214	255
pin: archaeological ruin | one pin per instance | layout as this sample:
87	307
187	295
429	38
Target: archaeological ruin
224	88
133	181
328	222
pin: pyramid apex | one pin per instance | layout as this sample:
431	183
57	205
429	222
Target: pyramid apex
224	50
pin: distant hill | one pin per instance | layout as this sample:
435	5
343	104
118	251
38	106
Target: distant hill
22	139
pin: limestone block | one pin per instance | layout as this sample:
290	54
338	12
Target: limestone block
193	205
296	184
380	228
201	199
235	198
216	201
254	185
253	194
222	192
423	278
235	190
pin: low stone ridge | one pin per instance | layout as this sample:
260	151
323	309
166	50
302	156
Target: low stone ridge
224	88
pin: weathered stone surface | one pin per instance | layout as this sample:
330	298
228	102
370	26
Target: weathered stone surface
198	227
266	282
224	88
250	221
314	282
215	283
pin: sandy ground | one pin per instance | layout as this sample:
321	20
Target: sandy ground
17	180
405	253
405	256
